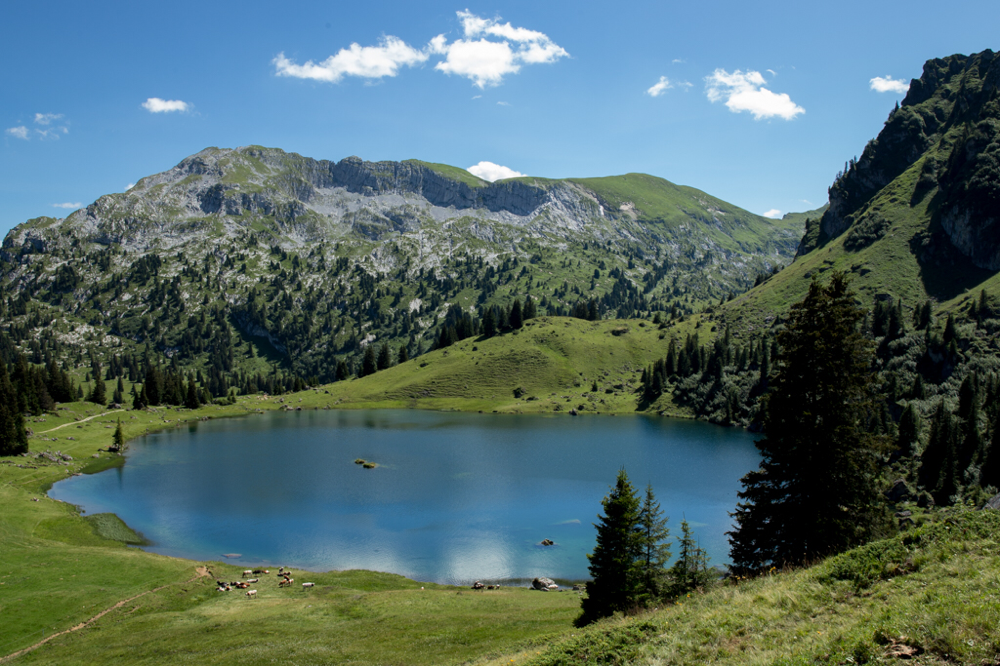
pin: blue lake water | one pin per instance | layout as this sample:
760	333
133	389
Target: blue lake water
455	497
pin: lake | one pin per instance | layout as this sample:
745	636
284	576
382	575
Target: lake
455	498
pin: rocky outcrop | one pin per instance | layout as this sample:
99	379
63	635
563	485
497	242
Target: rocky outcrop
953	105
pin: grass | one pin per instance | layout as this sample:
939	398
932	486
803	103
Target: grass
549	366
932	593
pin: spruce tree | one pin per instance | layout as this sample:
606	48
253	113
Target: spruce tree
613	564
98	395
403	355
13	436
655	551
690	571
516	319
384	359
368	366
817	489
118	441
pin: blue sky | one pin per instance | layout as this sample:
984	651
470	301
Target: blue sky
759	104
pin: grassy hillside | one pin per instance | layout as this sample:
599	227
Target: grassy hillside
930	594
551	365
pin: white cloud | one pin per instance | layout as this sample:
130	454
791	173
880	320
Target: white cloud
491	172
746	92
157	105
68	206
774	214
888	84
678	61
484	60
367	62
503	103
47	118
129	186
477	97
20	132
659	87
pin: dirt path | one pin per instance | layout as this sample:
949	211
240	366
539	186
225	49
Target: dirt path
95	416
202	572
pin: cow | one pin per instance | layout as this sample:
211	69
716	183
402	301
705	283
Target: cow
286	582
247	573
305	585
252	580
251	594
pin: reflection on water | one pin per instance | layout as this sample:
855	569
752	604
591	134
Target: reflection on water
455	497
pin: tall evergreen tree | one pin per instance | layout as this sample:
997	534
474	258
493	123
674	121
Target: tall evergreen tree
516	319
13	436
368	365
616	578
690	571
384	359
655	551
817	489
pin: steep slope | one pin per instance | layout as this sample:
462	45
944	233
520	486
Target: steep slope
917	216
302	263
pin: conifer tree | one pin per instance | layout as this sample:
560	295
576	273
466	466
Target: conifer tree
655	551
690	571
403	355
118	441
909	432
384	359
13	436
817	489
516	319
613	564
98	394
368	365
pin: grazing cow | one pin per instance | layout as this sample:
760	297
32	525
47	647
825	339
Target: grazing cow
286	582
478	586
252	580
259	571
251	594
304	585
247	573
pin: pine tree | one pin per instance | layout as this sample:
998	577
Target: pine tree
13	436
118	443
368	365
655	551
516	319
909	432
616	578
690	571
98	395
403	355
384	359
191	400
817	489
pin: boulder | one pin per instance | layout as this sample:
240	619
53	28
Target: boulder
548	542
994	503
899	492
544	584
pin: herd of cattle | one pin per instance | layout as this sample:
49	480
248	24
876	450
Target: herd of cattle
284	574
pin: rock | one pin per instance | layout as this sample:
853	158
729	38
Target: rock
899	492
994	503
543	584
548	542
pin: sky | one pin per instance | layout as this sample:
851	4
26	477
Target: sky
759	104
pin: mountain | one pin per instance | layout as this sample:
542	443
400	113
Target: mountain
917	216
305	262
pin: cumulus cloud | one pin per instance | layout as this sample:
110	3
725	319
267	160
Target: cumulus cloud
68	206
157	105
20	132
888	84
47	118
660	87
746	92
129	186
491	50
491	172
367	62
774	214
